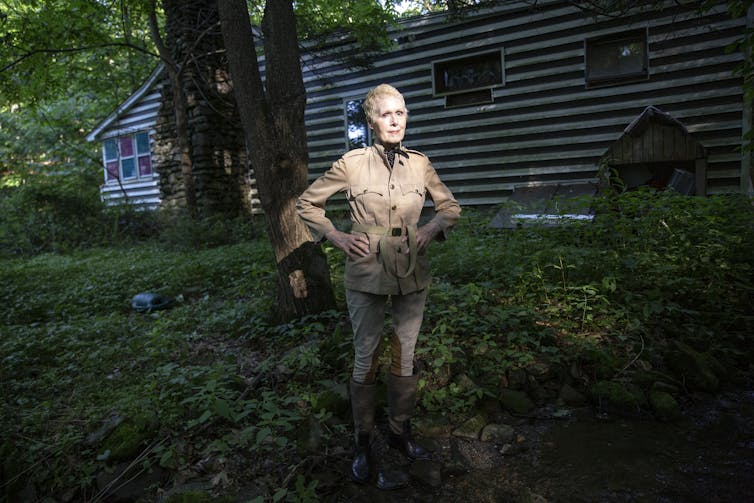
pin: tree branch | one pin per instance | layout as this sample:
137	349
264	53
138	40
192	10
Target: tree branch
73	49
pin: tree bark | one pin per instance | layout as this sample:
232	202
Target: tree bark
273	122
180	109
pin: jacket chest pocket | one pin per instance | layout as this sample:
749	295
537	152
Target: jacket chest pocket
412	193
366	197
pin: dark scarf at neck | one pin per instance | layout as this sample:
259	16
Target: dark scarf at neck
390	153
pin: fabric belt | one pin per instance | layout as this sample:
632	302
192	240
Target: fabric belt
387	253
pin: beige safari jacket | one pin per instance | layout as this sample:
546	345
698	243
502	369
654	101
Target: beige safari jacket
388	198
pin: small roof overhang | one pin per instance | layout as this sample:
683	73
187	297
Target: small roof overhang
126	105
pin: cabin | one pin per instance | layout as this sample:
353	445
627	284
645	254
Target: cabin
129	174
515	98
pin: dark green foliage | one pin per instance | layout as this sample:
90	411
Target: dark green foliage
52	213
599	302
62	213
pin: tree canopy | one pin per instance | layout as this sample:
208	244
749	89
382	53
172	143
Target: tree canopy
54	49
64	66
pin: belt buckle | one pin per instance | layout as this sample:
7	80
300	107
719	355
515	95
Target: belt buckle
396	231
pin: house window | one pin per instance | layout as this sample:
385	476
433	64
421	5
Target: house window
127	157
468	80
617	58
358	134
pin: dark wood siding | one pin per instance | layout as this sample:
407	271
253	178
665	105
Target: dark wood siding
545	125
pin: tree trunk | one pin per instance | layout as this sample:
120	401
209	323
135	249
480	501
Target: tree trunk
180	110
275	132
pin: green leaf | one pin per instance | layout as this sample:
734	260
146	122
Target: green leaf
262	435
222	408
204	417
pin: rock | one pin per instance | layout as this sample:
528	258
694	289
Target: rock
126	482
666	387
664	406
513	449
537	392
283	371
474	455
392	478
490	407
571	396
333	399
621	398
539	370
107	427
553	386
128	439
427	471
497	433
191	491
465	383
431	425
309	436
515	401
517	378
652	379
471	428
576	372
695	368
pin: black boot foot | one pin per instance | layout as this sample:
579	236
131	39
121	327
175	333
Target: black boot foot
405	443
361	466
389	480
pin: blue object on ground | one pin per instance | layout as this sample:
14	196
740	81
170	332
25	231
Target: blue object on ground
146	302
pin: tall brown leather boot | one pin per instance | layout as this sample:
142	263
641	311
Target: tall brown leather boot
363	399
402	402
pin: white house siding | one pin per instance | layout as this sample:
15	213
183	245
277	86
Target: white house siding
138	113
545	125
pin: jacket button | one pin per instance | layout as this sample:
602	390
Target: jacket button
392	187
394	207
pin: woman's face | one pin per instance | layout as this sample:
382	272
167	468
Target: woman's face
389	122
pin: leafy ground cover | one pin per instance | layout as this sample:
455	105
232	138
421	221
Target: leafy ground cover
97	395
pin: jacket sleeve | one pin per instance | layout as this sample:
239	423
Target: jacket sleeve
310	205
447	209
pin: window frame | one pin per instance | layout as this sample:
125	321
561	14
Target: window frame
438	64
135	157
347	123
640	35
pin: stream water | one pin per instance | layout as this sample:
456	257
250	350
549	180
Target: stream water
707	456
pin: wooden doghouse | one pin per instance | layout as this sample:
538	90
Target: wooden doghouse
657	150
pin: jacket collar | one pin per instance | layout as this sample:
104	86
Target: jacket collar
399	149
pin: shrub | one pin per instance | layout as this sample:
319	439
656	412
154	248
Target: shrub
53	213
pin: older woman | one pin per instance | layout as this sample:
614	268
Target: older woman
385	187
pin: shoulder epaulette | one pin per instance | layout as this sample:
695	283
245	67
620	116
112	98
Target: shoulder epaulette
355	152
414	152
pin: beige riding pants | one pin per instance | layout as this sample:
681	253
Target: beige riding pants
367	312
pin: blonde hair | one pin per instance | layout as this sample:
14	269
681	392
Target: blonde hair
370	102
